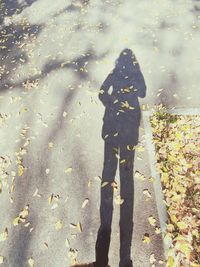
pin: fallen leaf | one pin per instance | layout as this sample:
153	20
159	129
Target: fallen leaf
16	221
31	262
152	258
20	170
146	239
24	213
1	259
27	224
151	179
152	220
147	193
170	262
68	170
35	193
182	225
79	227
64	114
76	226
157	230
139	176
51	144
4	235
118	200
85	202
58	225
104	184
47	171
46	245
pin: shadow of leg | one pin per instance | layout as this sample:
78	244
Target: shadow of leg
106	208
126	209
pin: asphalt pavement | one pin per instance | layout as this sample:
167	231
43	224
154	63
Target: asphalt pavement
55	57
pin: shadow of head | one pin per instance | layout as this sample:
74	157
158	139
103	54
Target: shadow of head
126	62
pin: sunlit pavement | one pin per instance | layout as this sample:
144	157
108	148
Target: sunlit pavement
56	54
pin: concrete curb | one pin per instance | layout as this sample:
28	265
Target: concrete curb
161	208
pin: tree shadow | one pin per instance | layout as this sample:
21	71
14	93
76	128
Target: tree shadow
34	177
13	37
119	94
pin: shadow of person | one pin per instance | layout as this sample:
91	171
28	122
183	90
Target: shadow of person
119	94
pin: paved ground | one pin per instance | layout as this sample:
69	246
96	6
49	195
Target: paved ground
55	57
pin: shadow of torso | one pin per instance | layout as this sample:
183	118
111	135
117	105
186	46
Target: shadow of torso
122	109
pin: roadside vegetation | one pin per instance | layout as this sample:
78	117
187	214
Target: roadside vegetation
177	143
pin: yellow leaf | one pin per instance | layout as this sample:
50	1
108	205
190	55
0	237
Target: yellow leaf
140	148
50	199
73	256
125	104
31	262
157	230
89	183
146	239
4	235
79	227
20	170
24	213
170	227
182	225
118	200
68	170
58	225
195	265
139	176
173	218
170	262
1	259
51	144
178	135
184	247
196	233
152	220
164	177
151	179
16	221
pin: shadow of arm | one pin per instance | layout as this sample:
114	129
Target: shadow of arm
141	86
104	96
